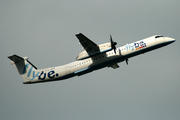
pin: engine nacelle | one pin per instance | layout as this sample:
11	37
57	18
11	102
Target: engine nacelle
100	49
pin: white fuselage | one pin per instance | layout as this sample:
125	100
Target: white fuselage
99	61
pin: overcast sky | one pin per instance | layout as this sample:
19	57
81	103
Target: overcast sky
44	30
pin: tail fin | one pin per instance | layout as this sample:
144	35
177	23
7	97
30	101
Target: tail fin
24	67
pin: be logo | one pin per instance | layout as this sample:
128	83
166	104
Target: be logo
50	74
140	45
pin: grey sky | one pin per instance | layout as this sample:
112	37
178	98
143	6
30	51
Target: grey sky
148	88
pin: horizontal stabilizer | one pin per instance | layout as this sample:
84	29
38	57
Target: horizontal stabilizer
15	58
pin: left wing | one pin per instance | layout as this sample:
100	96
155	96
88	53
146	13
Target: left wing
88	45
114	66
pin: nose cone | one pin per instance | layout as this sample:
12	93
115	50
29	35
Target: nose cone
169	40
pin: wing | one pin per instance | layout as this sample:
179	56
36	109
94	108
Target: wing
88	45
114	66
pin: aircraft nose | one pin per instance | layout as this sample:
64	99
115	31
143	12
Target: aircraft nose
170	40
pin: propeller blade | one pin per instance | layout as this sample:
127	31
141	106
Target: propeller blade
127	61
111	41
113	44
115	51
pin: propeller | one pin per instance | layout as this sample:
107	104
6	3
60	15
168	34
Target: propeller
113	44
127	61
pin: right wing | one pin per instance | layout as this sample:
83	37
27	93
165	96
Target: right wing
88	45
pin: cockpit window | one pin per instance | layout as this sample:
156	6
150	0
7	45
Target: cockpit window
158	36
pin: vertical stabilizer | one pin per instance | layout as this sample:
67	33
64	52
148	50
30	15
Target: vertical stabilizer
25	68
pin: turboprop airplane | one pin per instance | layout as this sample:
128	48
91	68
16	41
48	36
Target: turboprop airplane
93	57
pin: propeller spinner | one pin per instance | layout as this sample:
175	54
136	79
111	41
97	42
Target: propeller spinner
113	44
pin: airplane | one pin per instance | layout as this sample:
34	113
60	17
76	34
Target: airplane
93	57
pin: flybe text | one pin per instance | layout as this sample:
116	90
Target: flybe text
41	76
136	46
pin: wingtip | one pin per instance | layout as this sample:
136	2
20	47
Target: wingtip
78	34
